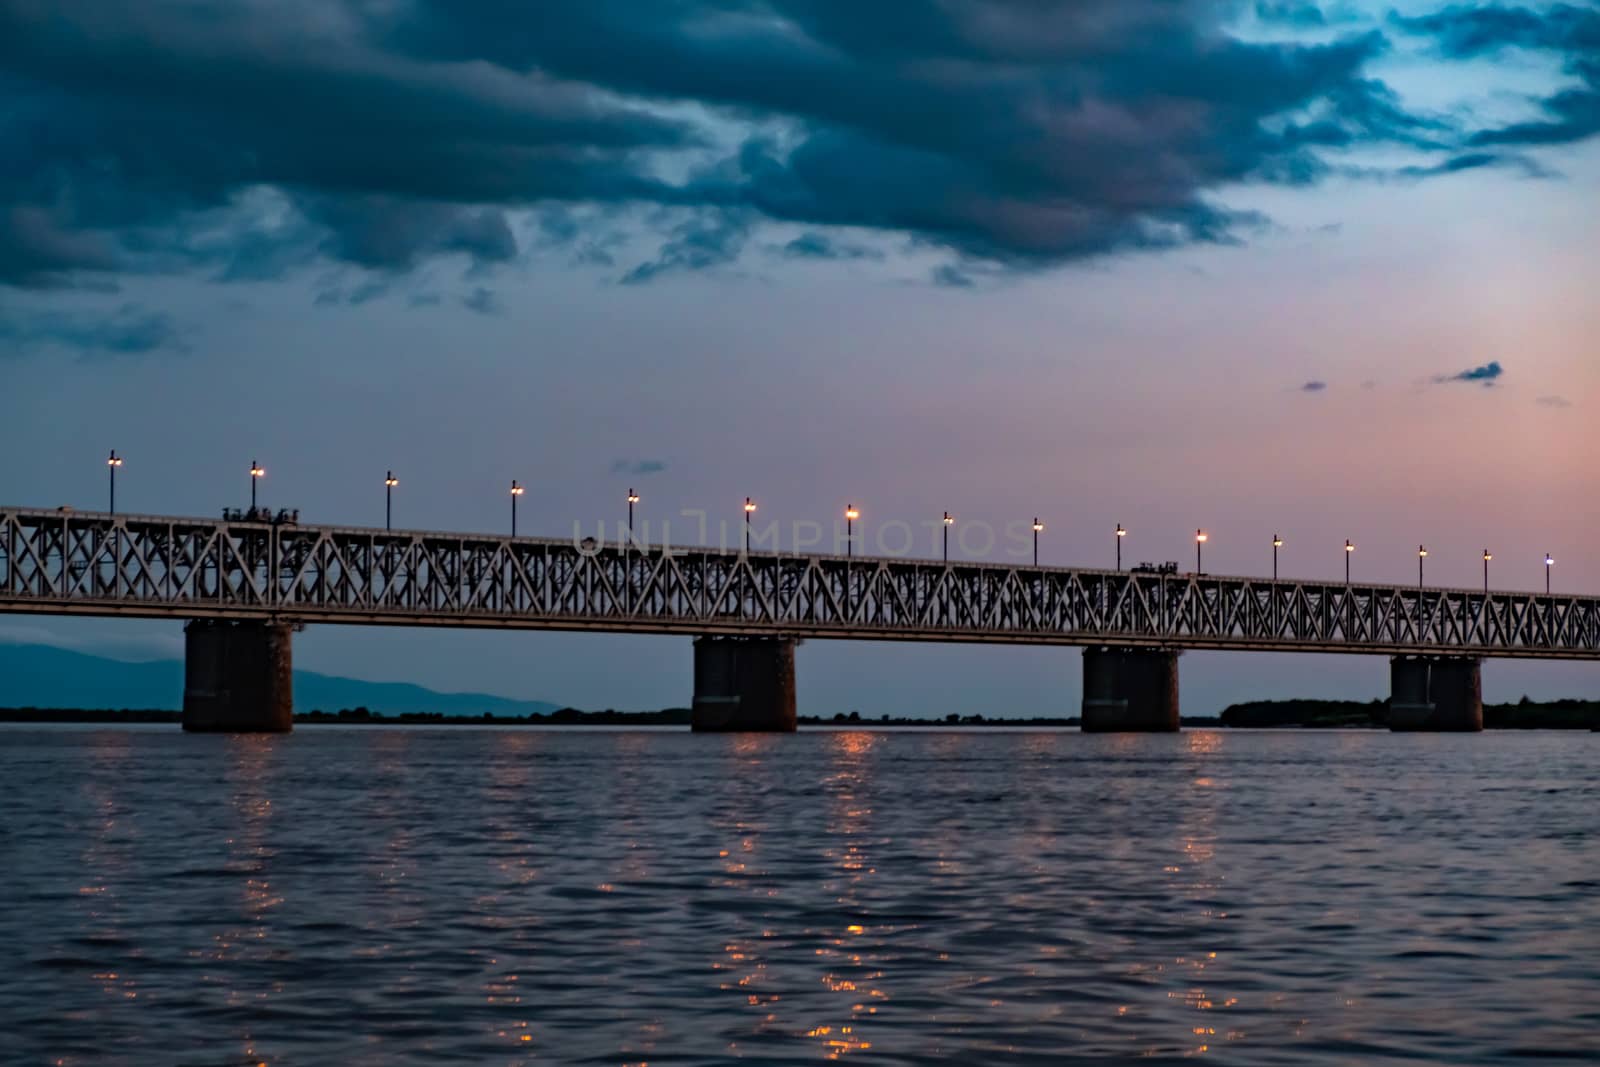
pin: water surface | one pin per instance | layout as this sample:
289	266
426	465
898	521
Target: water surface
501	896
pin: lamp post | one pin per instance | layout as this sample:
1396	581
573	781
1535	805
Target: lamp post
850	517
1121	533
749	509
1548	563
1349	550
1487	556
1037	527
633	498
112	464
389	482
948	522
1422	554
256	474
1277	543
516	491
1200	538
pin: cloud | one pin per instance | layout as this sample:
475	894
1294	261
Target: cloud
1314	386
128	331
1553	402
950	276
1572	32
638	466
483	301
700	244
813	245
248	139
354	297
1488	374
1295	12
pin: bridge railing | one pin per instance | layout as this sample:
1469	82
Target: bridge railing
97	564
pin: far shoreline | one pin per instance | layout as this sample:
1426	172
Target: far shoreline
1285	714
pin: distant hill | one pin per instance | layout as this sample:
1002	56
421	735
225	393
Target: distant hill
47	677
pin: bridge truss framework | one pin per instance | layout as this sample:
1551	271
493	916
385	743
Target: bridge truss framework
85	563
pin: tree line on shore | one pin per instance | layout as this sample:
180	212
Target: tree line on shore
1567	714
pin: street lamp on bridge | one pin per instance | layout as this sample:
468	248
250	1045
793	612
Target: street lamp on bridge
389	482
1487	556
850	517
256	474
633	498
112	464
749	509
1121	533
1277	543
1349	550
1037	528
1422	554
948	522
516	491
1548	563
1200	539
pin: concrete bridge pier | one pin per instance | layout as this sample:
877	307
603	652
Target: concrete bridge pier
1438	694
238	677
743	684
1130	690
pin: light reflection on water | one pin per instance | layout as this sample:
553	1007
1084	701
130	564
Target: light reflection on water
479	896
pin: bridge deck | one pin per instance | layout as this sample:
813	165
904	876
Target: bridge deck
87	563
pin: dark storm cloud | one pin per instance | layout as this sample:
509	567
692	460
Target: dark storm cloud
246	139
1294	12
127	331
1567	30
1488	374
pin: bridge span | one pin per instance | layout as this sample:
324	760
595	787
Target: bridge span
243	586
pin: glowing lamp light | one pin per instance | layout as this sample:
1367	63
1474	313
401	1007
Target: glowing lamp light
633	498
948	519
1201	536
516	490
749	505
114	461
1037	526
390	480
851	513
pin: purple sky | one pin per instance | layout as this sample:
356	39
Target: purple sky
1325	272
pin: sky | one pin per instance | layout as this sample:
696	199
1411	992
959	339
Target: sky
1324	271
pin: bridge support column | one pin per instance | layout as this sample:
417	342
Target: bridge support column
238	677
1435	693
743	684
1130	690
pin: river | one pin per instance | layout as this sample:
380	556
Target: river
394	895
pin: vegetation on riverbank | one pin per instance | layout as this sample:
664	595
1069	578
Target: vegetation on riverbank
1304	714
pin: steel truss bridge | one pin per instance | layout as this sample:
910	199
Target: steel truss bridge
84	563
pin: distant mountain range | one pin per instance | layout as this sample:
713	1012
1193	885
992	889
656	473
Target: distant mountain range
43	676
